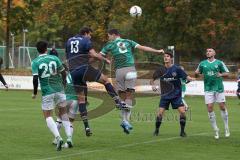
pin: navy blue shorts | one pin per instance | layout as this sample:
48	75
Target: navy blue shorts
83	74
175	102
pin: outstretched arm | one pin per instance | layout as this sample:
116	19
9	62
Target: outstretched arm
94	54
190	78
149	49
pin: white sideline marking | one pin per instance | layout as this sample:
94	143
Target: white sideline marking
16	109
122	146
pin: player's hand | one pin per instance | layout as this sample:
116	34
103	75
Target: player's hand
161	51
219	74
154	88
191	79
34	96
107	61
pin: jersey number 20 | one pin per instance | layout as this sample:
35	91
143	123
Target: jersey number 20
48	69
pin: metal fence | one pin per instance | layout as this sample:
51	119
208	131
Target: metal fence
23	56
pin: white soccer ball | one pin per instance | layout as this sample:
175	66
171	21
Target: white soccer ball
135	11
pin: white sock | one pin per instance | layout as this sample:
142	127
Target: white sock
59	123
185	103
212	118
52	126
123	115
71	128
224	115
128	112
66	125
128	115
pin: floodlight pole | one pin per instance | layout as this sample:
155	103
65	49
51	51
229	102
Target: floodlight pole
173	52
13	43
7	34
24	45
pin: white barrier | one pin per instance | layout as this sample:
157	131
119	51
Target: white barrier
192	88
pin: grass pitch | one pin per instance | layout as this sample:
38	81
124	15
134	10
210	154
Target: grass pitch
24	134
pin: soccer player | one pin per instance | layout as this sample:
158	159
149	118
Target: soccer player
1	77
126	75
173	75
72	107
79	49
213	71
238	90
184	82
52	76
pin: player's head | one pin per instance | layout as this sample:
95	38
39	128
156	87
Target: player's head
210	53
42	47
113	34
168	57
86	32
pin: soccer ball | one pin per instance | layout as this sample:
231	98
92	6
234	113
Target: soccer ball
135	11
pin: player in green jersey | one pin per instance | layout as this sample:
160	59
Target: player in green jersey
126	75
184	82
213	71
51	74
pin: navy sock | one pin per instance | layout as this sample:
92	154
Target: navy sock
112	92
158	122
182	122
83	114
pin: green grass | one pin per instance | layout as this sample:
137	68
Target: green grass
24	134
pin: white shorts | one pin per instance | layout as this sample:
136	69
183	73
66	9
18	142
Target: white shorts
212	97
72	107
49	102
126	78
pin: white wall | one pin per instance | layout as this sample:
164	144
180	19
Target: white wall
193	88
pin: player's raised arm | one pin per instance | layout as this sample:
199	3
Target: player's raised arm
149	49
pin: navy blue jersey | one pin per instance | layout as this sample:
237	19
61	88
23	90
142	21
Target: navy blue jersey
77	49
173	74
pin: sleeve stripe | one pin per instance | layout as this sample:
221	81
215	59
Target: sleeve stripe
103	53
136	46
35	74
225	67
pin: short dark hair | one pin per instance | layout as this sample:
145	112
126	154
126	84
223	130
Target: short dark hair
113	31
42	46
85	30
169	53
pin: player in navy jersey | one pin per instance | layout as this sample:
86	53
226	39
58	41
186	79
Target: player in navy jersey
79	49
172	75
